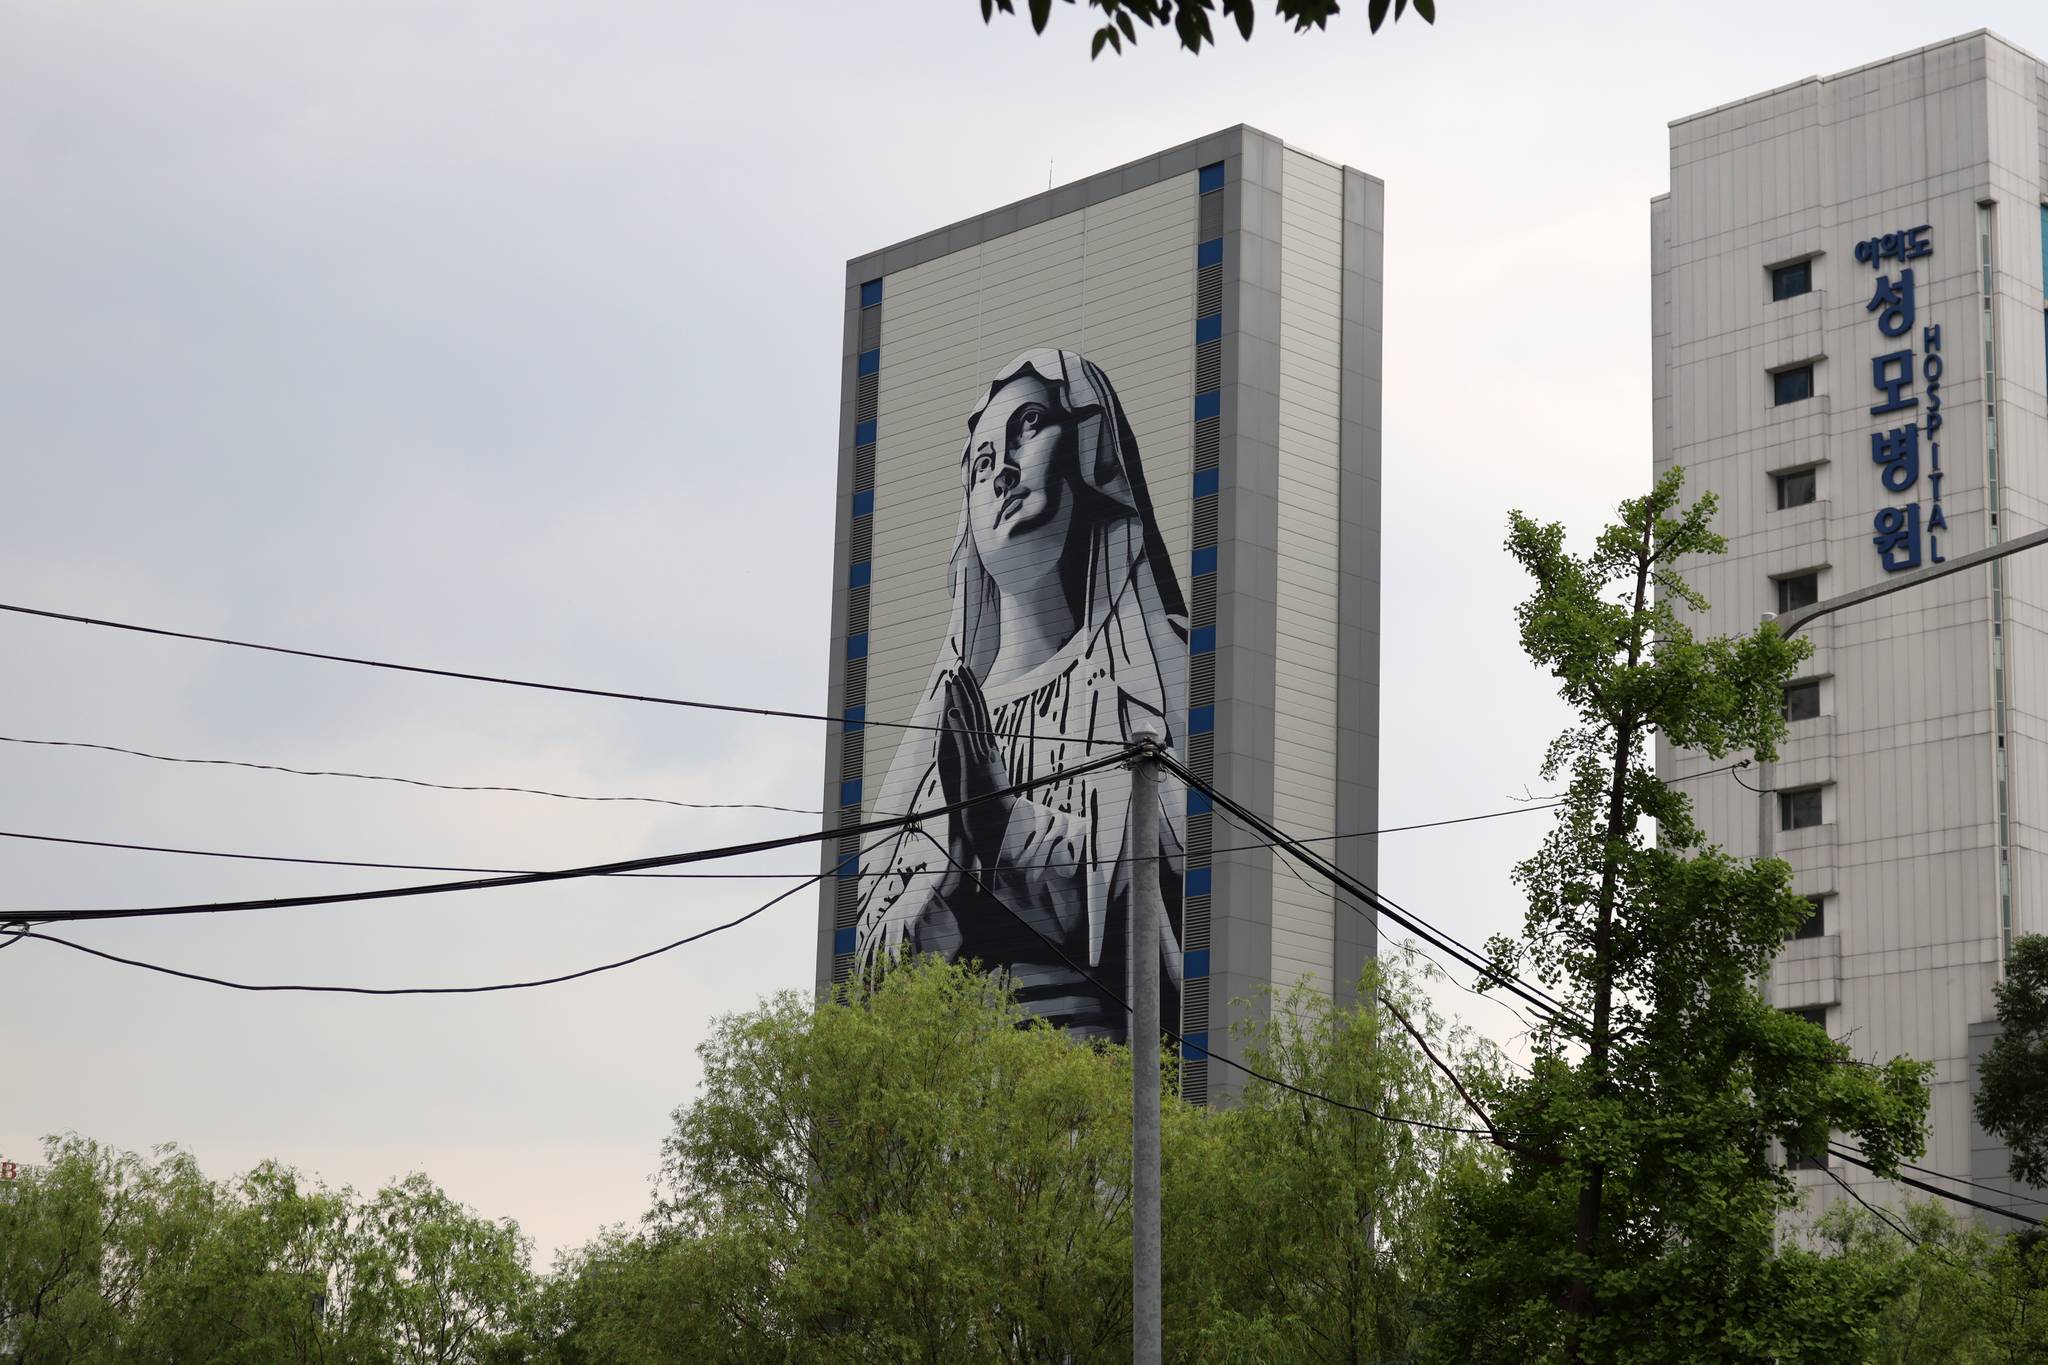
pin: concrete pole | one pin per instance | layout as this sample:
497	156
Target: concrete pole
1146	1339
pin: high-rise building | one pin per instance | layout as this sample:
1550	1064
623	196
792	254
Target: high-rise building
1107	455
1848	349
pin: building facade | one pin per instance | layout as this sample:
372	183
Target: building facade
1848	349
1109	458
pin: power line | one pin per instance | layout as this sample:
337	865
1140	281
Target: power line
1436	938
1912	1241
1408	946
729	708
406	781
386	866
1973	1184
1371	897
382	867
1855	1160
204	979
1177	1038
563	874
1875	1211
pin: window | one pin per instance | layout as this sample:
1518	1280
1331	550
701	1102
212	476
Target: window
1798	488
1792	280
1814	925
1793	385
1798	590
1800	809
1802	700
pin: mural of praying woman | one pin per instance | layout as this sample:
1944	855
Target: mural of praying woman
1067	627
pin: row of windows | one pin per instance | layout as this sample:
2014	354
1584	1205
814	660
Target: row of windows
1796	488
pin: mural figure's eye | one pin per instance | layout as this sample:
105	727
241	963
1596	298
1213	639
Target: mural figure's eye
983	463
1029	421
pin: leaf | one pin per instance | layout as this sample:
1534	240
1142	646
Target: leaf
1376	14
1041	10
1240	10
1427	9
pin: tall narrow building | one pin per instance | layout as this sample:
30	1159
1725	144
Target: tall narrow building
1110	457
1848	344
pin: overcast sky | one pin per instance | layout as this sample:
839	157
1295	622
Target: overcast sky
504	337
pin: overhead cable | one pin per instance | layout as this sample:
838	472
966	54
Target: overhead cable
266	988
1536	998
561	874
405	781
1855	1160
730	708
1178	1039
705	876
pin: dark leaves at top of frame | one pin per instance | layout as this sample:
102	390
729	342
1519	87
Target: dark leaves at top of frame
1191	19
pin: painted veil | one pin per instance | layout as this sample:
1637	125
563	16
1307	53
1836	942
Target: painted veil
1066	864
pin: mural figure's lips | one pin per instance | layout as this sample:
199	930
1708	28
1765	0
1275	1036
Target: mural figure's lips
1010	504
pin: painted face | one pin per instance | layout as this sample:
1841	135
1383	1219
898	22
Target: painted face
1018	471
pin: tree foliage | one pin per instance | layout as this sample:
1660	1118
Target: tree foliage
2012	1095
1308	1232
1636	1221
921	1171
111	1257
1192	20
1951	1293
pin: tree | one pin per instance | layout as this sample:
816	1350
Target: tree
444	1282
2012	1093
80	1237
1953	1294
1191	18
1306	1232
109	1257
1636	1218
921	1171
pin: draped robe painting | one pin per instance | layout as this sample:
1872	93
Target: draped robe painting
1066	627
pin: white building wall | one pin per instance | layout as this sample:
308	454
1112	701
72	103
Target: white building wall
1908	854
1305	651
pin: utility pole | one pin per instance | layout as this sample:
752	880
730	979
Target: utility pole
1146	1340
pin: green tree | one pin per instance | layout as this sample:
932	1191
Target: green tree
1953	1294
255	1284
444	1283
921	1173
108	1258
82	1237
2012	1094
1636	1218
1191	20
1306	1232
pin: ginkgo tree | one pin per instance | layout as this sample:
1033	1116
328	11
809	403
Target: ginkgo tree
1650	1143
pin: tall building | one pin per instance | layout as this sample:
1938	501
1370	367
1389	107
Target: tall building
1848	347
1111	455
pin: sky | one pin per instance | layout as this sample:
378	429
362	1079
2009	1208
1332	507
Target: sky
505	337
